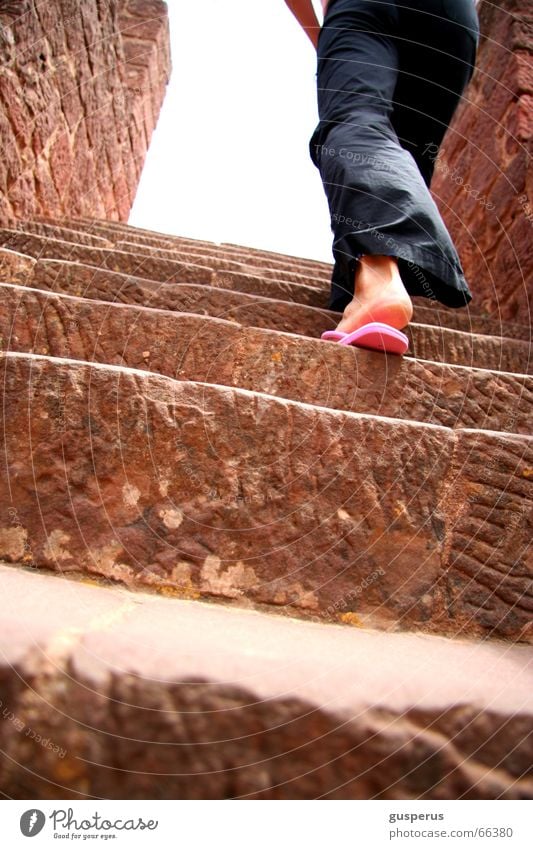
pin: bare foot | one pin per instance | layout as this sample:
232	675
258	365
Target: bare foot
379	295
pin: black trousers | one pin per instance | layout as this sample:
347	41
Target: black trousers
390	75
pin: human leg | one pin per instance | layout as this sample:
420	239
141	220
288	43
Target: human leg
435	64
379	202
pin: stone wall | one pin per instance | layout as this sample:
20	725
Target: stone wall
80	92
483	180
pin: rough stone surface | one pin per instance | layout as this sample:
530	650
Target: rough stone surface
212	350
80	92
173	423
161	269
16	267
472	319
176	425
159	285
483	181
225	710
212	491
260	259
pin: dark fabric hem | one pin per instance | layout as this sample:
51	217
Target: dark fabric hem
442	281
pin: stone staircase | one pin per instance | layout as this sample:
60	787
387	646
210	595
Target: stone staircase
177	434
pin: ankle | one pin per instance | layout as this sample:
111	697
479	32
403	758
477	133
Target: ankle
376	271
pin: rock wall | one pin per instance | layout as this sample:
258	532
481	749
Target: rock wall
80	92
483	181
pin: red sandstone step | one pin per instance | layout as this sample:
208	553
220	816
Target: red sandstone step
58	230
469	349
160	270
225	493
427	342
268	271
473	318
216	257
17	268
426	311
115	230
212	256
91	282
211	350
470	319
236	704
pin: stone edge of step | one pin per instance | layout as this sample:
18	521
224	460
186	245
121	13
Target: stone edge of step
190	385
252	329
412	651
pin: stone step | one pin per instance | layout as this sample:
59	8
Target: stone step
496	353
473	318
163	271
211	350
236	704
209	491
114	231
17	268
427	342
470	319
201	253
224	264
64	233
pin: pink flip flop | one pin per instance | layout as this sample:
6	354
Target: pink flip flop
376	336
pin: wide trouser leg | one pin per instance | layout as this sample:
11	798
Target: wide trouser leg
432	77
389	78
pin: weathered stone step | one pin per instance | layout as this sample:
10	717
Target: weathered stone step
191	347
472	319
426	312
163	271
204	490
469	349
217	259
17	268
468	321
208	253
58	230
427	342
115	230
323	710
224	264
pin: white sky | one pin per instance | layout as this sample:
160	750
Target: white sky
229	158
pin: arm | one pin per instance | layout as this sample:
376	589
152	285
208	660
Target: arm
305	15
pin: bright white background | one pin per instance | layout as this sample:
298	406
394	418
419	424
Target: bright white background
229	158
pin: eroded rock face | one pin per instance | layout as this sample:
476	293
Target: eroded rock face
211	491
231	704
80	93
483	178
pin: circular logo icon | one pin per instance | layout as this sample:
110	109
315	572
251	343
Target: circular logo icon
31	822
